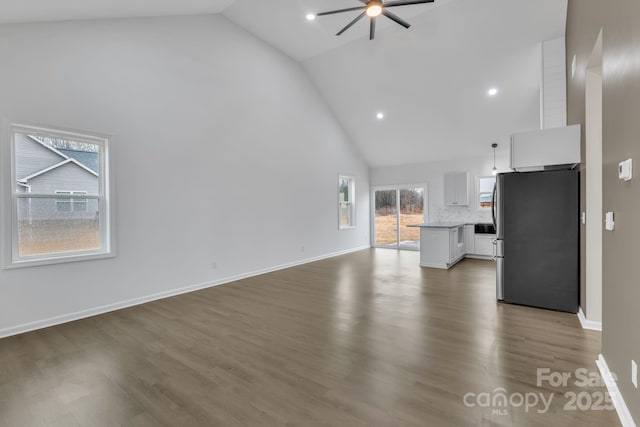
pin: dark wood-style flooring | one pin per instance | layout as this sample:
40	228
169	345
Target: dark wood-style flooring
366	339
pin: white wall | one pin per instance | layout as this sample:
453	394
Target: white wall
553	88
222	151
432	174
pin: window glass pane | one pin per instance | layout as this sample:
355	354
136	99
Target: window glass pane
486	184
386	219
50	225
485	191
346	205
47	165
344	190
411	212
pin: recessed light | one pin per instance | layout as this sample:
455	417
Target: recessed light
380	116
311	17
493	91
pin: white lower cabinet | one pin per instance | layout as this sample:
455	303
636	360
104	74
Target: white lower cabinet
469	239
484	245
441	247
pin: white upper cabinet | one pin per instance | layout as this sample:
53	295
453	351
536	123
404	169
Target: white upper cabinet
532	151
456	189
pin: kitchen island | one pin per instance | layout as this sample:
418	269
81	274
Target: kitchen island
441	244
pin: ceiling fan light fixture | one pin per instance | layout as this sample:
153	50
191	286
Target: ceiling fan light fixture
374	9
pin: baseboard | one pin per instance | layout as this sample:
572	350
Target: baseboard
588	324
484	257
616	397
83	314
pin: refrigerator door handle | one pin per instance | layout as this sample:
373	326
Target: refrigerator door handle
493	204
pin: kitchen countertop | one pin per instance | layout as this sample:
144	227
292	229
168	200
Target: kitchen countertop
438	225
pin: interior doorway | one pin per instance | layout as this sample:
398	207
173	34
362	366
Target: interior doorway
593	175
395	208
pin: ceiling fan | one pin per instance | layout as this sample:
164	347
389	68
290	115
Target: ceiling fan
373	9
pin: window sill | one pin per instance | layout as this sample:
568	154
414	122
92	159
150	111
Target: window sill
57	260
347	227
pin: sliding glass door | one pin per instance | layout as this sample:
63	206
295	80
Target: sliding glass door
386	218
393	210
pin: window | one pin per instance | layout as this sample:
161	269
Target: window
49	224
485	191
346	202
71	205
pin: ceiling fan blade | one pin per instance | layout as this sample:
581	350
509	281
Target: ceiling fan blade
372	29
350	24
331	12
405	2
396	18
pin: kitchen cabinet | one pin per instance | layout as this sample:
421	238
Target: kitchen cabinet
531	151
484	245
456	189
456	244
441	244
469	239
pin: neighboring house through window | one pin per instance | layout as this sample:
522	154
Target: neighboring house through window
58	197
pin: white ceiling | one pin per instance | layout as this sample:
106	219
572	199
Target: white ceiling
430	80
13	11
282	23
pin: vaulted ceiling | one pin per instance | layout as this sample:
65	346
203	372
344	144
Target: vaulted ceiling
430	81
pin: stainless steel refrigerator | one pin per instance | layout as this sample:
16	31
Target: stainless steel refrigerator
537	250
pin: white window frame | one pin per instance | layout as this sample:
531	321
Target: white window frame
478	179
352	192
10	197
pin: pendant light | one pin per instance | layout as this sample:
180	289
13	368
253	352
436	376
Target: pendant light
494	171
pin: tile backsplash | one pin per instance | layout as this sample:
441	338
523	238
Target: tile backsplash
460	214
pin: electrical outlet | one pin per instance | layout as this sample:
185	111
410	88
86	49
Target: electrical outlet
214	264
634	373
301	248
583	218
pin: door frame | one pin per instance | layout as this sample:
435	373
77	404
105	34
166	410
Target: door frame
397	188
593	209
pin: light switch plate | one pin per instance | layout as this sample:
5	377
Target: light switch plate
625	170
609	222
634	373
